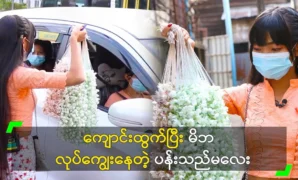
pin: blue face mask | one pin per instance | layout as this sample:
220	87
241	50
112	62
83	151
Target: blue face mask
36	60
137	85
272	65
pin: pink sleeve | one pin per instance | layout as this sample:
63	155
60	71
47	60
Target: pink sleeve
235	99
34	79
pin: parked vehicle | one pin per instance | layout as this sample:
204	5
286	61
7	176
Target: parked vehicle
132	37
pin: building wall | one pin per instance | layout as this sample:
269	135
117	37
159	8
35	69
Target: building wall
209	12
175	9
241	28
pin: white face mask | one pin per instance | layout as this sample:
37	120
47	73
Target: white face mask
272	65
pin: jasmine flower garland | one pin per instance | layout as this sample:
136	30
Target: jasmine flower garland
202	106
75	106
79	109
161	105
198	105
186	98
52	106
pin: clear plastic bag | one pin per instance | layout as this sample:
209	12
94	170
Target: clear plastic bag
183	67
187	97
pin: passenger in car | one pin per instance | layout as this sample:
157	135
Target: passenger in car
41	57
133	89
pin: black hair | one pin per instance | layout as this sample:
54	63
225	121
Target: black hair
281	24
49	63
12	31
129	73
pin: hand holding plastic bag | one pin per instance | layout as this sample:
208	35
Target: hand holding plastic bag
183	67
186	97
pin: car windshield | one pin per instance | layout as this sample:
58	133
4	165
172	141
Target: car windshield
49	36
158	47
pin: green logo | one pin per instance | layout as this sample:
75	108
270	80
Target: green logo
13	124
286	172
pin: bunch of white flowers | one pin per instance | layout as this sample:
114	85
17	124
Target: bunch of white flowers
79	109
207	175
197	105
52	106
161	105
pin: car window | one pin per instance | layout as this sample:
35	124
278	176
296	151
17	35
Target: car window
109	71
110	60
125	56
158	47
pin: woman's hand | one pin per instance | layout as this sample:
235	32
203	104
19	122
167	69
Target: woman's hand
185	34
78	34
76	74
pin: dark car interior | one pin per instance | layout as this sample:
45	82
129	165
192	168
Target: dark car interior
110	72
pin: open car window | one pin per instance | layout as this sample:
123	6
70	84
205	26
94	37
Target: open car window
110	71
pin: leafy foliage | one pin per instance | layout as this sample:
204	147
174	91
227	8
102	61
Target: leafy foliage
6	5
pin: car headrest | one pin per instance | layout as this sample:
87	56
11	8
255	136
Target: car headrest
110	76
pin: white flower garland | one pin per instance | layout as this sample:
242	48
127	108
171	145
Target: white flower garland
161	105
197	105
79	109
52	106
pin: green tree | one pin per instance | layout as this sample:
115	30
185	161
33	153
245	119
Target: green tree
6	5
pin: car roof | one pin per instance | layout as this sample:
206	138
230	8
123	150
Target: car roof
142	24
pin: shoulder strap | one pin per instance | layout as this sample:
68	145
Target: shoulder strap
245	175
246	107
35	115
123	97
102	80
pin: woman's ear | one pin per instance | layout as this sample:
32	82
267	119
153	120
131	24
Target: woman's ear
25	44
127	77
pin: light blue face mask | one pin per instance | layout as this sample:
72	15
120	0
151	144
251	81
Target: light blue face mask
36	60
272	65
137	85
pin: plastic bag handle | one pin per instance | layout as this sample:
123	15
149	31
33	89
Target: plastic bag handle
66	58
85	56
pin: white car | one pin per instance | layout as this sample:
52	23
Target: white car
116	36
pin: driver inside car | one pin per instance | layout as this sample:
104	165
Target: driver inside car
133	89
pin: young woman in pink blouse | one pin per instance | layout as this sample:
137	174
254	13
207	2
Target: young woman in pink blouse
273	100
16	96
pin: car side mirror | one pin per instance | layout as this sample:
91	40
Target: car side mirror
132	113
